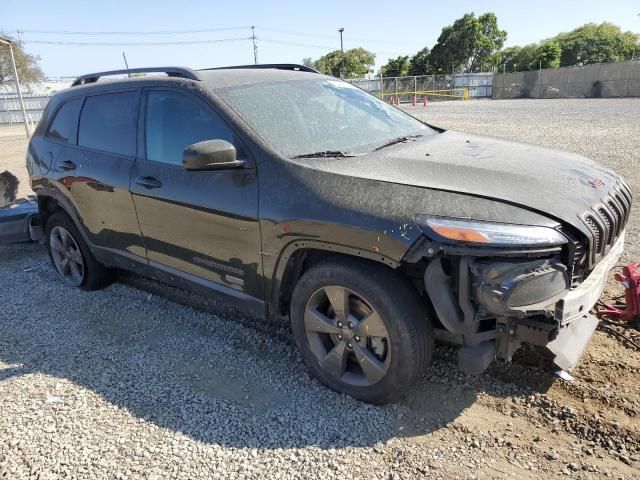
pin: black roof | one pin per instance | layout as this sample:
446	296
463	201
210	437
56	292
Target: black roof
238	74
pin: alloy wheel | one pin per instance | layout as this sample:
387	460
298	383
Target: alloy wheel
347	336
67	256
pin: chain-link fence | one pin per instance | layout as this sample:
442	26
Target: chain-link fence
590	81
433	87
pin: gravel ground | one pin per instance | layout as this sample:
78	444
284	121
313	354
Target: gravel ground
126	383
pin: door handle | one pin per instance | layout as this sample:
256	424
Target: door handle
148	182
67	165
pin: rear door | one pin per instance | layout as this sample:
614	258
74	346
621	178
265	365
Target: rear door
93	168
201	224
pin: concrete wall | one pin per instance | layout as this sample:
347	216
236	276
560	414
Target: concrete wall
591	81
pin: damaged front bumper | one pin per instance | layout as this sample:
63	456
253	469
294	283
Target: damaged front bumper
576	323
482	305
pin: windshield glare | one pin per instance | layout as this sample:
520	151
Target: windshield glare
299	117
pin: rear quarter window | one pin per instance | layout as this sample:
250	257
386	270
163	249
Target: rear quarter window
63	126
107	123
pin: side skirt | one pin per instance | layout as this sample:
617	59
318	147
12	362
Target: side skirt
206	288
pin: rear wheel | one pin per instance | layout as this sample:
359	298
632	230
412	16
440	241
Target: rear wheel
73	261
361	329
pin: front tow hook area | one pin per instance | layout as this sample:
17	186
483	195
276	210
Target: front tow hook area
571	341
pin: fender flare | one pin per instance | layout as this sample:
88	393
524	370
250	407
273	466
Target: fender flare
302	244
69	209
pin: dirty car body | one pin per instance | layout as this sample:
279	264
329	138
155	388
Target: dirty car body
503	243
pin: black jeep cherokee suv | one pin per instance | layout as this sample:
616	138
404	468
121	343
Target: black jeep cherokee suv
294	194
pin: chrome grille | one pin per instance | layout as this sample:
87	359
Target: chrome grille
606	220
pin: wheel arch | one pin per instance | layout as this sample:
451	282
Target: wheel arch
50	202
301	255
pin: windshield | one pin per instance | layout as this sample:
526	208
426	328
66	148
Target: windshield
302	117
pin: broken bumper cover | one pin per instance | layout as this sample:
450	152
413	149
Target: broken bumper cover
576	324
580	300
19	222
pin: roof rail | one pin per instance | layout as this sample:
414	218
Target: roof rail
181	72
279	66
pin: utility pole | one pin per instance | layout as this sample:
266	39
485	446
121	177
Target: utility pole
341	29
255	47
7	42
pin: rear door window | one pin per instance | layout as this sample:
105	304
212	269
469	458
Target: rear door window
63	127
108	123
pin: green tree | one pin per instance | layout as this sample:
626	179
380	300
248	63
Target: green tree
420	63
27	65
470	43
353	63
549	54
308	61
396	67
593	43
529	57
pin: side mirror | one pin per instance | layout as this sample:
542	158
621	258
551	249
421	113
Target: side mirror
210	155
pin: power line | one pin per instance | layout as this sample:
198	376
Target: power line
206	30
158	32
136	44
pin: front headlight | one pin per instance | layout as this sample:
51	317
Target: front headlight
487	233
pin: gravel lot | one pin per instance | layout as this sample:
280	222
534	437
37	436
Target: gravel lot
126	383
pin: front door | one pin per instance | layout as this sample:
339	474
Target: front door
201	224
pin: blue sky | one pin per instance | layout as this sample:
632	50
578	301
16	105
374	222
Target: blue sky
387	29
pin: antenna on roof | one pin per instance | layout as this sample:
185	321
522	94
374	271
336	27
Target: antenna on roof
126	64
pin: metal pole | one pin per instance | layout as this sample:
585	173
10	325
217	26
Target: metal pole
629	73
341	29
397	99
255	47
15	75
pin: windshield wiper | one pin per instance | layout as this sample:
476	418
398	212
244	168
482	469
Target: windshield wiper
404	138
326	154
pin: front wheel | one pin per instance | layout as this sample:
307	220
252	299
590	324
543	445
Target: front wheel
361	328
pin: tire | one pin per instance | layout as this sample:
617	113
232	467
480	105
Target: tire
93	275
377	370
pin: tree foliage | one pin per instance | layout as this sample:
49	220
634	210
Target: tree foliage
353	63
420	63
470	43
473	44
29	71
593	43
529	57
590	43
396	67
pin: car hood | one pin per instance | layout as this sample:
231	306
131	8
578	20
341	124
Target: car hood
555	183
